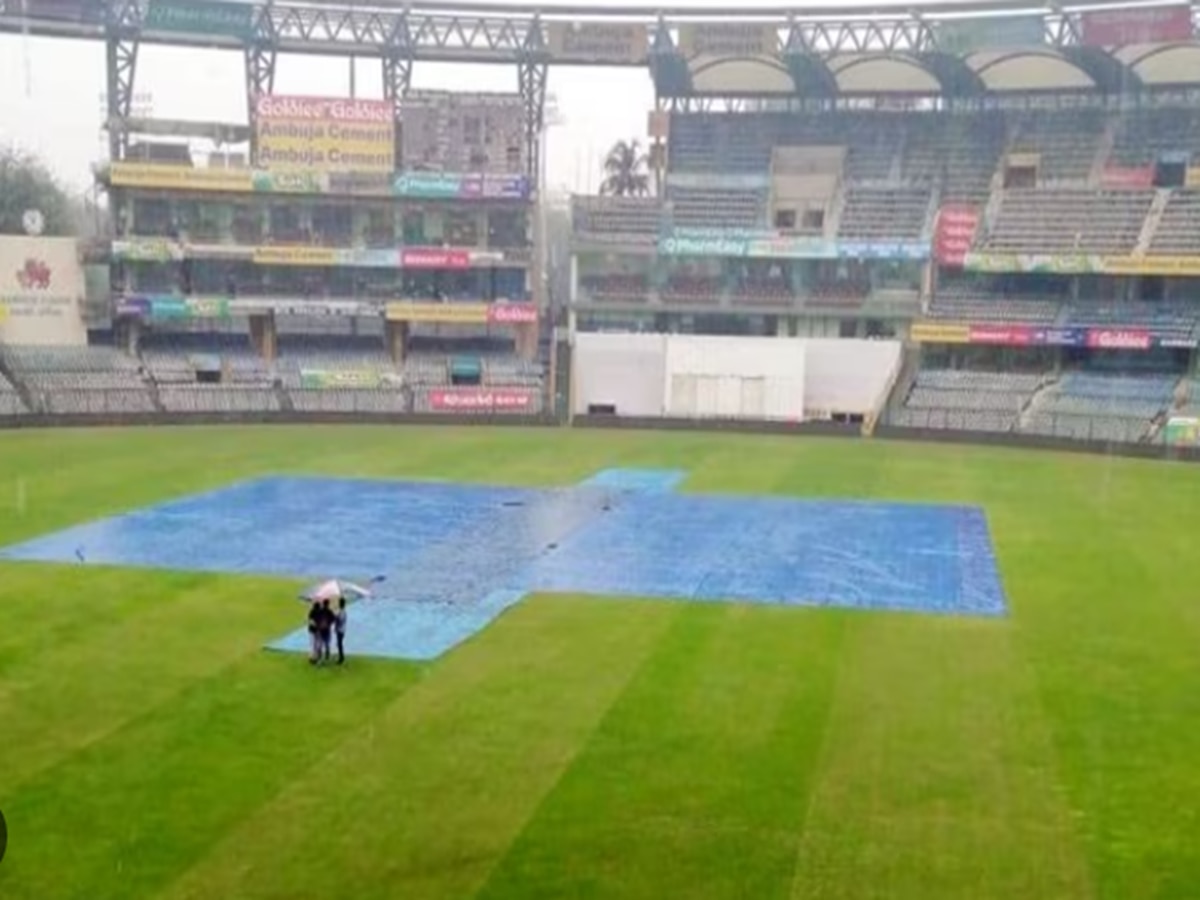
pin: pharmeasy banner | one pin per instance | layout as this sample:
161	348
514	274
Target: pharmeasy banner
325	134
42	290
201	17
464	186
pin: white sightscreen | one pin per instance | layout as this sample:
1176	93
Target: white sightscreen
848	376
734	378
625	371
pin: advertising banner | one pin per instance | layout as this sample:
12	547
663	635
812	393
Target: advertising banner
1083	264
295	181
294	256
312	308
729	39
1067	264
991	33
452	186
438	313
954	232
511	314
143	250
1062	337
1121	177
939	333
42	290
150	175
434	258
1182	431
284	255
1192	176
1175	343
677	245
325	134
463	313
201	17
1119	26
1151	265
763	244
428	185
138	307
188	308
363	184
712	181
169	306
1118	339
474	399
340	378
81	11
1001	335
615	43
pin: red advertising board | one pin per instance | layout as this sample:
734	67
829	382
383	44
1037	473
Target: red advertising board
956	224
1118	339
1001	335
1121	177
482	400
434	258
1117	27
511	314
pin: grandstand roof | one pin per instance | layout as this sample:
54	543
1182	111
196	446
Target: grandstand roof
1009	70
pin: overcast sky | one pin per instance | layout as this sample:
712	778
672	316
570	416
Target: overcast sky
51	94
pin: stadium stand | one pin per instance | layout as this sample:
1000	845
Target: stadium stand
1164	319
1101	407
960	302
1058	220
11	403
1066	143
80	380
877	214
1178	231
966	401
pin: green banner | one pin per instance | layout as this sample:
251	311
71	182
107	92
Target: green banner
990	33
167	307
235	20
341	378
1182	431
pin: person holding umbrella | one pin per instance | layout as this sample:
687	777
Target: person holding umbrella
340	628
323	621
326	620
314	632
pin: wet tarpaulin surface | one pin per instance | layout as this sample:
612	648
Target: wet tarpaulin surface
456	556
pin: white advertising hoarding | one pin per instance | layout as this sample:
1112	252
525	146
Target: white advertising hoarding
42	290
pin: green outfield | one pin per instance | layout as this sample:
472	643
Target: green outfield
600	748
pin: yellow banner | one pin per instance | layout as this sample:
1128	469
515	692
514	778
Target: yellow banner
1192	177
148	175
938	333
325	134
1150	265
617	43
445	313
294	256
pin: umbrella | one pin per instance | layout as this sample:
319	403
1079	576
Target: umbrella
334	588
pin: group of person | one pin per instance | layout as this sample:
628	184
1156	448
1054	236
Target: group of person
323	624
